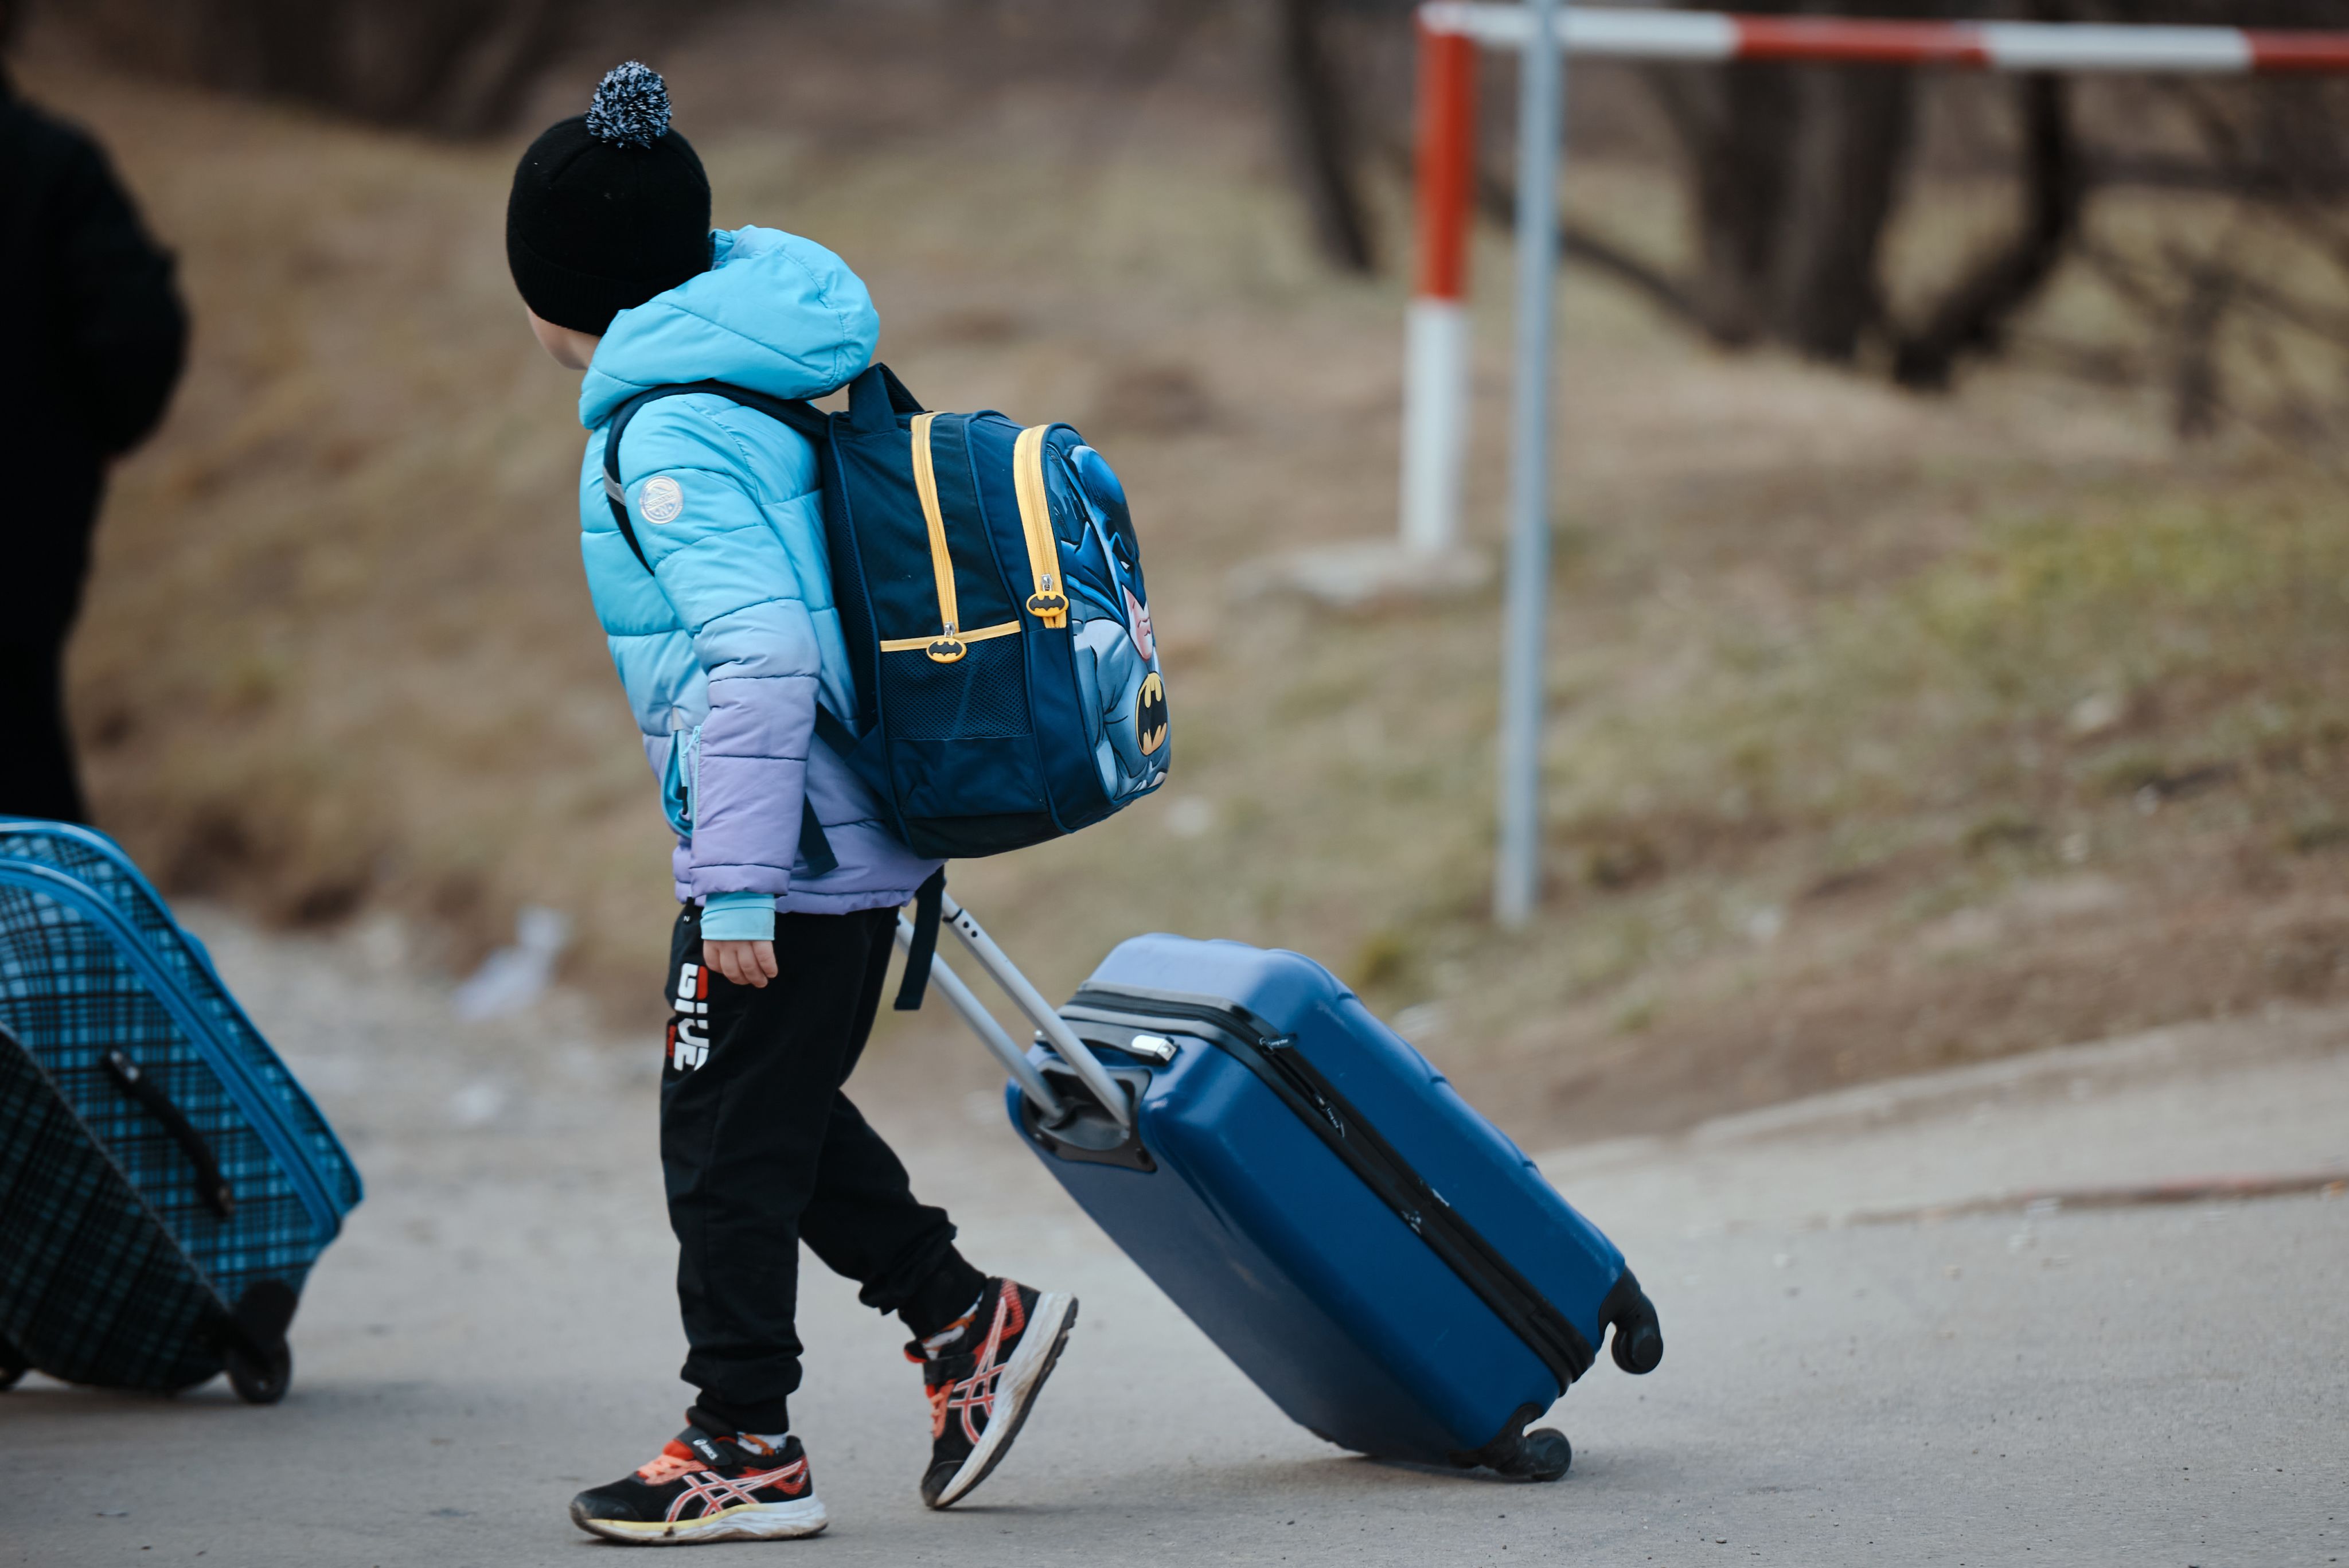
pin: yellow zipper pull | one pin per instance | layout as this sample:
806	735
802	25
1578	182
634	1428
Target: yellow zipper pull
1047	602
948	647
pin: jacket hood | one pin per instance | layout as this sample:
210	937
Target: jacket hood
774	313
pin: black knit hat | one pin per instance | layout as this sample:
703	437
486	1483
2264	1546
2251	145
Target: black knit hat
609	208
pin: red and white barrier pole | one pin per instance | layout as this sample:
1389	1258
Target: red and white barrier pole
1603	32
1436	332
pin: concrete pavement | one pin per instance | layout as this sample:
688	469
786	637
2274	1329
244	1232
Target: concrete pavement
496	1329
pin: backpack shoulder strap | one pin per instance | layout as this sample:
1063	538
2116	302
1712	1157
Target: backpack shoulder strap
929	906
876	398
801	416
832	732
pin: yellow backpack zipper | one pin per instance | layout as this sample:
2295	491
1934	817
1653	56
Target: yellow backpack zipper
951	643
1048	603
948	645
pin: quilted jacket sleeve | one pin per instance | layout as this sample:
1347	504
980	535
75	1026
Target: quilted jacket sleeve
723	567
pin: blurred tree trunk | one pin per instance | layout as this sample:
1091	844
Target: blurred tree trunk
458	67
1319	122
1851	150
1733	126
1973	316
2244	318
1794	172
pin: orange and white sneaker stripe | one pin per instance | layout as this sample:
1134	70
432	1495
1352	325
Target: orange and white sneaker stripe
980	1396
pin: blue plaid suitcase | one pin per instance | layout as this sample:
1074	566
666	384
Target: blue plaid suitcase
165	1185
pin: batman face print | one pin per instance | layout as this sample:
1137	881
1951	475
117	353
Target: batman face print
1109	604
1137	626
1110	523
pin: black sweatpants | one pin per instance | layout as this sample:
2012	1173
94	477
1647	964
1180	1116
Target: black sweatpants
762	1151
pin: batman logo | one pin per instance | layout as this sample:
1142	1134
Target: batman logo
1150	714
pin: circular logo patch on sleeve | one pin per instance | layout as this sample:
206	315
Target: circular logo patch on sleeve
661	500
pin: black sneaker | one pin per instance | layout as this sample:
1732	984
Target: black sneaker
982	1382
703	1487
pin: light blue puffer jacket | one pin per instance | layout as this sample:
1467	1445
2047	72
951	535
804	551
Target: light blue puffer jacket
727	645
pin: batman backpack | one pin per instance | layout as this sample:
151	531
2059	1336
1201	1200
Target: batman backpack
990	592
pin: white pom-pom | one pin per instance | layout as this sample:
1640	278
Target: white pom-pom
631	106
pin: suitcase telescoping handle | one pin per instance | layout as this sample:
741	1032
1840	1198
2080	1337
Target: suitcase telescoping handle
1047	1019
983	1024
1030	1000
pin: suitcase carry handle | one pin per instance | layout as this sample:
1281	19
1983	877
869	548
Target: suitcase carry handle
1030	1000
211	1184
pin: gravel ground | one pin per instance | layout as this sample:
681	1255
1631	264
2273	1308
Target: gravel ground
495	1329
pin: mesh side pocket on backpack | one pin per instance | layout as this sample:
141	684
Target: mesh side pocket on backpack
983	695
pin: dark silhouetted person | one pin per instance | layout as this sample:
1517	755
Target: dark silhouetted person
95	343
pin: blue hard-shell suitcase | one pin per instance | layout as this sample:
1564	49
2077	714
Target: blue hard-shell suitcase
1376	1255
165	1185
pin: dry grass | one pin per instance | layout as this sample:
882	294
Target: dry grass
1885	731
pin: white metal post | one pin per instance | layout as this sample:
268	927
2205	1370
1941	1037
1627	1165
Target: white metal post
1434	423
1516	881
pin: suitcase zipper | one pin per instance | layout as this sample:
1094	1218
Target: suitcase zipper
1279	1051
252	1098
1273	1057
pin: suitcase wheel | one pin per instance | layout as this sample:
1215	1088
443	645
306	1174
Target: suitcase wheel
260	1362
13	1365
260	1380
1639	1344
1542	1455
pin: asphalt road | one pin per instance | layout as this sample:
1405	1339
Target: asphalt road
2139	1384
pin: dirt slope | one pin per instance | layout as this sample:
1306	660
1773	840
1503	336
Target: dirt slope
1885	732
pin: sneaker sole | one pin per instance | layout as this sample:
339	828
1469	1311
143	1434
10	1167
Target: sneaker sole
744	1522
1032	1363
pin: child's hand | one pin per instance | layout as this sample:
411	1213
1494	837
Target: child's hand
744	963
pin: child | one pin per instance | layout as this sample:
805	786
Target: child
725	646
